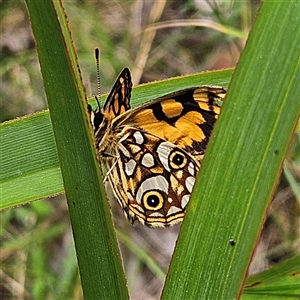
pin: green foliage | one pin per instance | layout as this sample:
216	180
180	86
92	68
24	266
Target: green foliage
254	135
279	282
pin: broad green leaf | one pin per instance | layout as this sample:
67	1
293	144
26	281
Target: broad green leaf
242	163
29	164
29	168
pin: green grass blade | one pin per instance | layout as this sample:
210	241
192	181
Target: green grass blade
279	282
96	246
29	164
29	167
242	163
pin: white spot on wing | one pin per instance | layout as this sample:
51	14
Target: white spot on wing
173	210
130	167
189	183
148	160
139	139
156	214
185	200
191	169
163	151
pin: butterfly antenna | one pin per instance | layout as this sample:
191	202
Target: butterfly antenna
97	57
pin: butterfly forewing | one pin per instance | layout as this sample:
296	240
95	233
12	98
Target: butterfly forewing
118	100
184	118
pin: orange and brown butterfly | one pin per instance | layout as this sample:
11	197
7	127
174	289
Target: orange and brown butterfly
152	153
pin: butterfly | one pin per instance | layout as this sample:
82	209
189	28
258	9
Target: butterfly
152	153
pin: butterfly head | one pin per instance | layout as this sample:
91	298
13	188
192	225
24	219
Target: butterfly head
96	116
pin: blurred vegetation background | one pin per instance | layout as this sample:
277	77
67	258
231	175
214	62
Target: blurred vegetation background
37	253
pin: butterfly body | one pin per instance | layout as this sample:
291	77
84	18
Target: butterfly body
152	153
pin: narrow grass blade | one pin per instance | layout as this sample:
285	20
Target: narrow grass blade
99	260
280	282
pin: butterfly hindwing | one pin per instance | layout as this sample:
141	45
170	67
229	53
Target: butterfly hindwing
156	178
